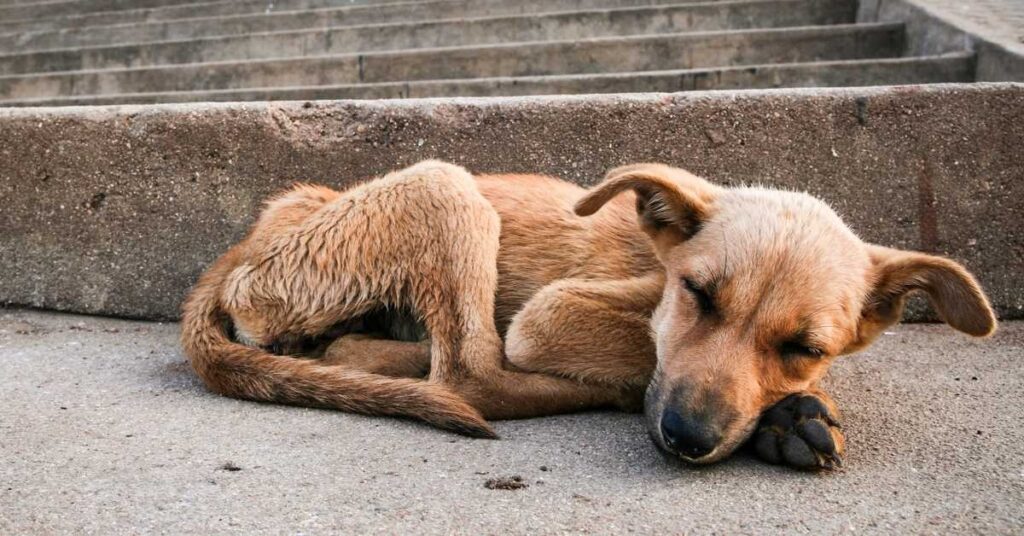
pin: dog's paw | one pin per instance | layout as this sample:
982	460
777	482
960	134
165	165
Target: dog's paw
800	432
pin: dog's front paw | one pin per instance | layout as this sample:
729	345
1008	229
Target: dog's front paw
800	432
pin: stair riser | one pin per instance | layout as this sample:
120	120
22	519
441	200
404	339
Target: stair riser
613	55
72	7
205	27
410	36
917	71
205	9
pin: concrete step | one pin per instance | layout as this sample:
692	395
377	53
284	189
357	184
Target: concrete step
201	25
58	8
116	210
897	71
127	10
452	32
658	52
207	9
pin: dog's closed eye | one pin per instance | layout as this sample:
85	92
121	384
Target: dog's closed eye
704	301
799	349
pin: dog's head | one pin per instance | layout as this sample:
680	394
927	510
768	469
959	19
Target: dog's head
764	289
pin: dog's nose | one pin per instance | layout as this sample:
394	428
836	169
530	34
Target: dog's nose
687	436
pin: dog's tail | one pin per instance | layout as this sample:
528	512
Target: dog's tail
239	371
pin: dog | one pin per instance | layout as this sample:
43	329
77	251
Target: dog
438	295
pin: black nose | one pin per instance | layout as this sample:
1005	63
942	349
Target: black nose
687	436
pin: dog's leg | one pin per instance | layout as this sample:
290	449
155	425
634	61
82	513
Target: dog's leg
379	355
466	350
500	394
801	431
596	332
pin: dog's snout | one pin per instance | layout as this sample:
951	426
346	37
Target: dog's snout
688	436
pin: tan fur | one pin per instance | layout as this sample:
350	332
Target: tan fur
539	297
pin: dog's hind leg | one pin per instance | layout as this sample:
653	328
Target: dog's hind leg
445	249
467	329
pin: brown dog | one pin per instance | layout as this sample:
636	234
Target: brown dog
523	295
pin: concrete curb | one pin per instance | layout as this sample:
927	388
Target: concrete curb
115	210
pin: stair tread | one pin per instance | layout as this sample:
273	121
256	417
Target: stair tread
270	91
262	14
642	10
67	9
798	31
315	18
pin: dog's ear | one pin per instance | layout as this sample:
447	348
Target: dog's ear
671	203
952	290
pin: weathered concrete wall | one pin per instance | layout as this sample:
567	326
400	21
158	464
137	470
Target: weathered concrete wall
117	210
933	31
997	63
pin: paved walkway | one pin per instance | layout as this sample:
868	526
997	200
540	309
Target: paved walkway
104	429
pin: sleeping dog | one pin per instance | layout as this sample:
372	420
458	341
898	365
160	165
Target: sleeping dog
439	295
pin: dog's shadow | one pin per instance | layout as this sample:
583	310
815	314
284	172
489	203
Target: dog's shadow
605	444
614	445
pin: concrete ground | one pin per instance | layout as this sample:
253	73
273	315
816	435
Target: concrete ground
104	429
